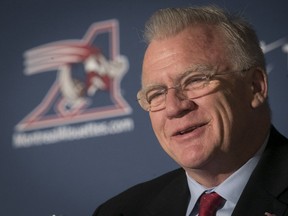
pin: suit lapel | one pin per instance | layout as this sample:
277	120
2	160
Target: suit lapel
266	190
172	200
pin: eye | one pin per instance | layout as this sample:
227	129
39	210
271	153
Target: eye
194	82
154	95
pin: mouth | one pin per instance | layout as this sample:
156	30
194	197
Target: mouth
188	130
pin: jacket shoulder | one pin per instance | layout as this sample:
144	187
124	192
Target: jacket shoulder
137	197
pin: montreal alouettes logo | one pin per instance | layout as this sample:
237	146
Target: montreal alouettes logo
87	80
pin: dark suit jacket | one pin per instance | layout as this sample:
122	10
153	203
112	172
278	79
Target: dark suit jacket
168	195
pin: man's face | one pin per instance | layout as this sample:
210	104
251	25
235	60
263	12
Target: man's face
207	133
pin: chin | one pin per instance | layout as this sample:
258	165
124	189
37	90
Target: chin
193	159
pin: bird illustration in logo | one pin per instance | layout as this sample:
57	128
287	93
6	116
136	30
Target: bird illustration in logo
73	96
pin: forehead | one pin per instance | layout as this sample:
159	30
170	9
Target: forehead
168	57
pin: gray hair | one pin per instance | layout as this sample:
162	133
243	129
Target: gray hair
242	41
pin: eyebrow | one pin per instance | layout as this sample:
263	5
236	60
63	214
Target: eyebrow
194	69
153	87
191	69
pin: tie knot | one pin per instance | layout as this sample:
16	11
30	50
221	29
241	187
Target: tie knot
210	203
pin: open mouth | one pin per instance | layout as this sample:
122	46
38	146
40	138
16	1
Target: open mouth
188	130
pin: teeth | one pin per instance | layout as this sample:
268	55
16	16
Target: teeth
187	130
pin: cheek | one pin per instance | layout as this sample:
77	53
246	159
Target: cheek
219	110
157	123
229	113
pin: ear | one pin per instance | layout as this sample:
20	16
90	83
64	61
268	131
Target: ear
259	87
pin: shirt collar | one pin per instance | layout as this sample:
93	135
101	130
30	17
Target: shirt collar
232	187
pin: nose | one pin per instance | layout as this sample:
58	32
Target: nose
176	105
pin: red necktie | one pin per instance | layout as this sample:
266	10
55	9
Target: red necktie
210	203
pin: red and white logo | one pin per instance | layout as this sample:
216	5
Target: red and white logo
87	80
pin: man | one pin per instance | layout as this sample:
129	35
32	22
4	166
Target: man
205	86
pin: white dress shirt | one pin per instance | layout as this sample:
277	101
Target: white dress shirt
230	189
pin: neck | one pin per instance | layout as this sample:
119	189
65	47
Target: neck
216	172
207	179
